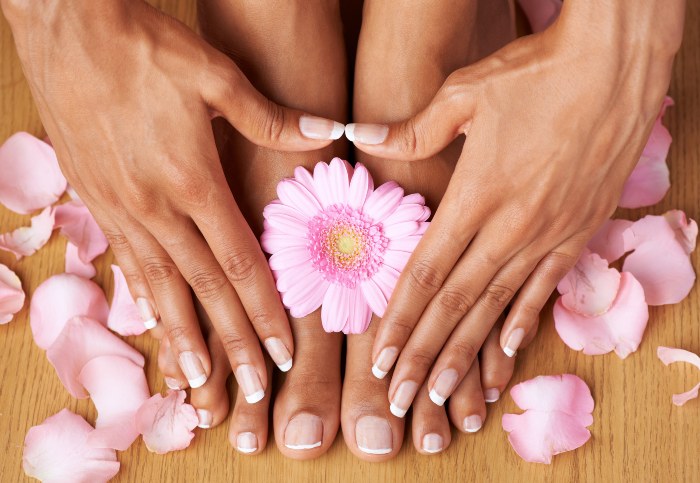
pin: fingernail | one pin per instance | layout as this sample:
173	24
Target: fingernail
304	431
366	133
146	312
320	128
192	367
491	395
386	359
279	353
472	423
514	340
205	418
173	384
249	382
443	387
432	443
247	443
403	397
373	435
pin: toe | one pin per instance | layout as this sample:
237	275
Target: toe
467	408
496	366
167	363
430	426
211	400
249	422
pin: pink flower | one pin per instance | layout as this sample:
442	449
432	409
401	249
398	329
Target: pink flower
124	318
26	240
668	356
166	422
78	225
338	242
558	409
11	294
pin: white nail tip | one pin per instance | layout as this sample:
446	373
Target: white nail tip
374	451
436	398
474	430
286	366
338	130
304	446
508	351
255	397
197	381
492	400
378	373
397	411
204	426
432	451
174	388
350	132
247	450
150	323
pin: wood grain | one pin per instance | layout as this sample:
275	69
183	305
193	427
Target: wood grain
638	435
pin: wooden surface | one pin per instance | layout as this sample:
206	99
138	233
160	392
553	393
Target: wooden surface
638	435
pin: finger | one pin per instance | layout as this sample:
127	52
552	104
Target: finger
467	409
496	366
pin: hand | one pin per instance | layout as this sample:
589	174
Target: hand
554	124
127	95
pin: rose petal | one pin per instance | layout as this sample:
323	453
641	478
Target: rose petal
540	13
166	422
590	287
58	451
31	178
124	317
669	355
11	294
81	229
75	265
608	242
26	240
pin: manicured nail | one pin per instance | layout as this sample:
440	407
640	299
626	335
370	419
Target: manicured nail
491	395
373	435
320	128
205	418
249	382
146	312
443	387
514	340
173	384
386	359
247	443
304	431
403	397
279	353
366	133
193	369
432	443
472	423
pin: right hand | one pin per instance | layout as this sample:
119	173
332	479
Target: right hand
126	94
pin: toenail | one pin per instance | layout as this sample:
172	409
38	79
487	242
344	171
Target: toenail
249	382
146	312
192	367
373	435
304	431
491	395
514	340
384	362
205	418
247	443
432	443
314	127
173	384
472	423
403	397
443	387
279	353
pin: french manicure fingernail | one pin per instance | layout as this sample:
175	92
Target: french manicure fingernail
205	418
279	353
304	431
146	313
443	387
249	382
491	395
373	435
472	423
514	340
366	133
403	397
386	359
247	443
314	127
172	383
432	443
193	369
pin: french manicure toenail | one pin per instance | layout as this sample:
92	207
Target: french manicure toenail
247	443
304	431
491	395
443	387
366	133
373	435
249	382
384	362
432	443
205	418
193	369
514	340
173	384
314	127
472	423
279	353
146	313
403	397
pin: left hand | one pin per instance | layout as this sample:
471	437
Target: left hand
555	123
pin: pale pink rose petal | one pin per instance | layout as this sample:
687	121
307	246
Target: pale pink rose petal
11	294
541	13
620	328
118	388
590	287
660	260
669	355
82	340
124	317
58	451
649	181
26	240
60	298
166	422
31	178
608	242
558	409
75	265
81	229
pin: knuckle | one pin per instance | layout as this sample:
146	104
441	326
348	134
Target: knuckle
239	267
496	297
190	186
453	300
117	240
409	138
261	319
159	270
207	284
420	360
464	351
529	311
400	325
178	335
233	342
556	265
273	123
425	277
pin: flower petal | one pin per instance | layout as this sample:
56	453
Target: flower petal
590	287
166	422
396	259
124	317
405	244
273	242
374	296
297	294
276	209
567	393
339	183
540	13
335	308
360	186
312	302
383	201
359	314
286	279
413	198
26	240
669	355
289	258
75	265
11	294
288	225
401	230
293	193
608	242
408	212
78	225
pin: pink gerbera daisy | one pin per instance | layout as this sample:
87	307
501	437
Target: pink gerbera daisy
338	242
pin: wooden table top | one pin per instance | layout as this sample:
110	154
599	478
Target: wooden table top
638	435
